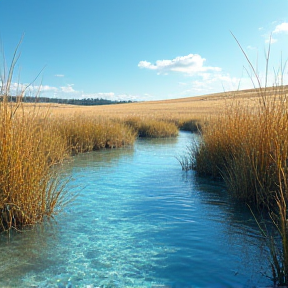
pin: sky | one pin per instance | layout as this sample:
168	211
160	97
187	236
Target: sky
142	50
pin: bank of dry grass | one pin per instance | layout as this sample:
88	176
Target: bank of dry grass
247	146
151	128
29	187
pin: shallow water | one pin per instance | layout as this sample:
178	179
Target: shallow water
139	221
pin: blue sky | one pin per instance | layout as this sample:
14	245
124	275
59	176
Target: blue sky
142	49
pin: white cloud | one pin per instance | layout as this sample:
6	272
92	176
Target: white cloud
47	88
68	89
59	75
190	64
17	88
283	27
67	92
210	83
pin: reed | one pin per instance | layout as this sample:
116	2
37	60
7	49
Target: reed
84	134
152	128
30	148
29	187
247	146
240	146
188	124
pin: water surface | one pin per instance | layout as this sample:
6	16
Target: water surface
139	221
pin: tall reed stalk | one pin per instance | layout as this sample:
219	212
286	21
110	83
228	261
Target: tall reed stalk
29	150
247	146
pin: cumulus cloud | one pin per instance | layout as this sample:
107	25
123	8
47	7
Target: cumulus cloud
281	28
190	64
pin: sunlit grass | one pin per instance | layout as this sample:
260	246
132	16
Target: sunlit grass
247	146
84	134
152	128
29	187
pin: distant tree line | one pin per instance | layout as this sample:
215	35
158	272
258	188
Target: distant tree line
84	101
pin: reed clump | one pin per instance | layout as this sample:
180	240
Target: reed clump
191	125
84	134
29	187
152	128
246	145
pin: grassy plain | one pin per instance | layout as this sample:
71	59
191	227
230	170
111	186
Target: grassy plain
199	108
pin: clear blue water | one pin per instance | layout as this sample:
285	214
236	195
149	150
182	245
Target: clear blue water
139	221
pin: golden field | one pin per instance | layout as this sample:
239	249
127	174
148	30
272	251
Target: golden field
198	107
186	113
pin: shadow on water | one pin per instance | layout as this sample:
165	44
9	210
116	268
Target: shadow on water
139	221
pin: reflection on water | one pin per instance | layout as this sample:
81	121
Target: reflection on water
139	221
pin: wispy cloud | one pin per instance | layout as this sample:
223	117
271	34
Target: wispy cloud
251	47
112	96
68	92
68	89
16	88
208	83
270	40
59	75
46	88
103	95
190	65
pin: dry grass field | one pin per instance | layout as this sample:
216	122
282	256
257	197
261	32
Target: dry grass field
198	108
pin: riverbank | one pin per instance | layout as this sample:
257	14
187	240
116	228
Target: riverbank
139	221
63	130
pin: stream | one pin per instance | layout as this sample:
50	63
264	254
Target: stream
139	221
